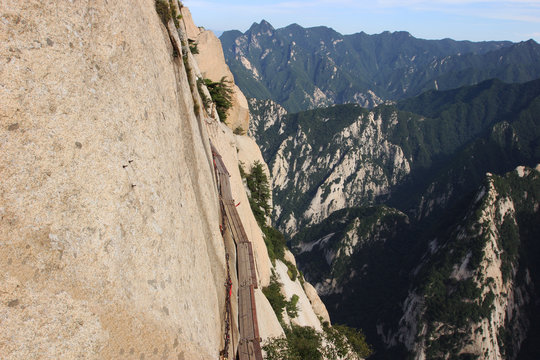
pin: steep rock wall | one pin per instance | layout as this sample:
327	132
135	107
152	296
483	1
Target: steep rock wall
239	150
352	162
108	218
212	64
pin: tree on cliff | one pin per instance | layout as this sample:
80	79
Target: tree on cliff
257	183
221	94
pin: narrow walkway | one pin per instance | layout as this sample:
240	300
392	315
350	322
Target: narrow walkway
249	347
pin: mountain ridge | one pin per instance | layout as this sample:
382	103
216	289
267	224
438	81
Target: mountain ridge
317	66
465	289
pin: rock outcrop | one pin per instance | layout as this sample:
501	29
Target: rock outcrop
326	160
212	64
110	245
483	310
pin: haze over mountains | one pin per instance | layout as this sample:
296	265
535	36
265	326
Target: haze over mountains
303	68
418	219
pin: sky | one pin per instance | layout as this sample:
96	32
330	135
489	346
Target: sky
514	20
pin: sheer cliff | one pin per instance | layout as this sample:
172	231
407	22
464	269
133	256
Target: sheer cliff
110	241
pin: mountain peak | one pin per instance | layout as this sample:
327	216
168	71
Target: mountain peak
531	42
262	27
266	23
399	34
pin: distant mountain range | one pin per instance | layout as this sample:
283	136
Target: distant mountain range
304	68
376	202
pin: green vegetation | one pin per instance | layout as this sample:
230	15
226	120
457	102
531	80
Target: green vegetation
292	271
292	306
175	16
239	131
369	224
509	242
163	10
167	11
275	243
504	338
355	339
275	297
277	349
303	343
206	101
259	188
458	304
193	46
259	197
455	303
300	343
301	278
375	260
221	94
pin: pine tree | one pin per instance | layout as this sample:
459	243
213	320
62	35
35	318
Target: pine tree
257	182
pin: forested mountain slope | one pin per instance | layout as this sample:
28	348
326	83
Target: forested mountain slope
377	203
302	69
465	287
419	155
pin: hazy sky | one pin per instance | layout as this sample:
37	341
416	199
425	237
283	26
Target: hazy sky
514	20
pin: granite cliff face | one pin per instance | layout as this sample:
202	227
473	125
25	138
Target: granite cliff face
212	64
326	160
110	244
